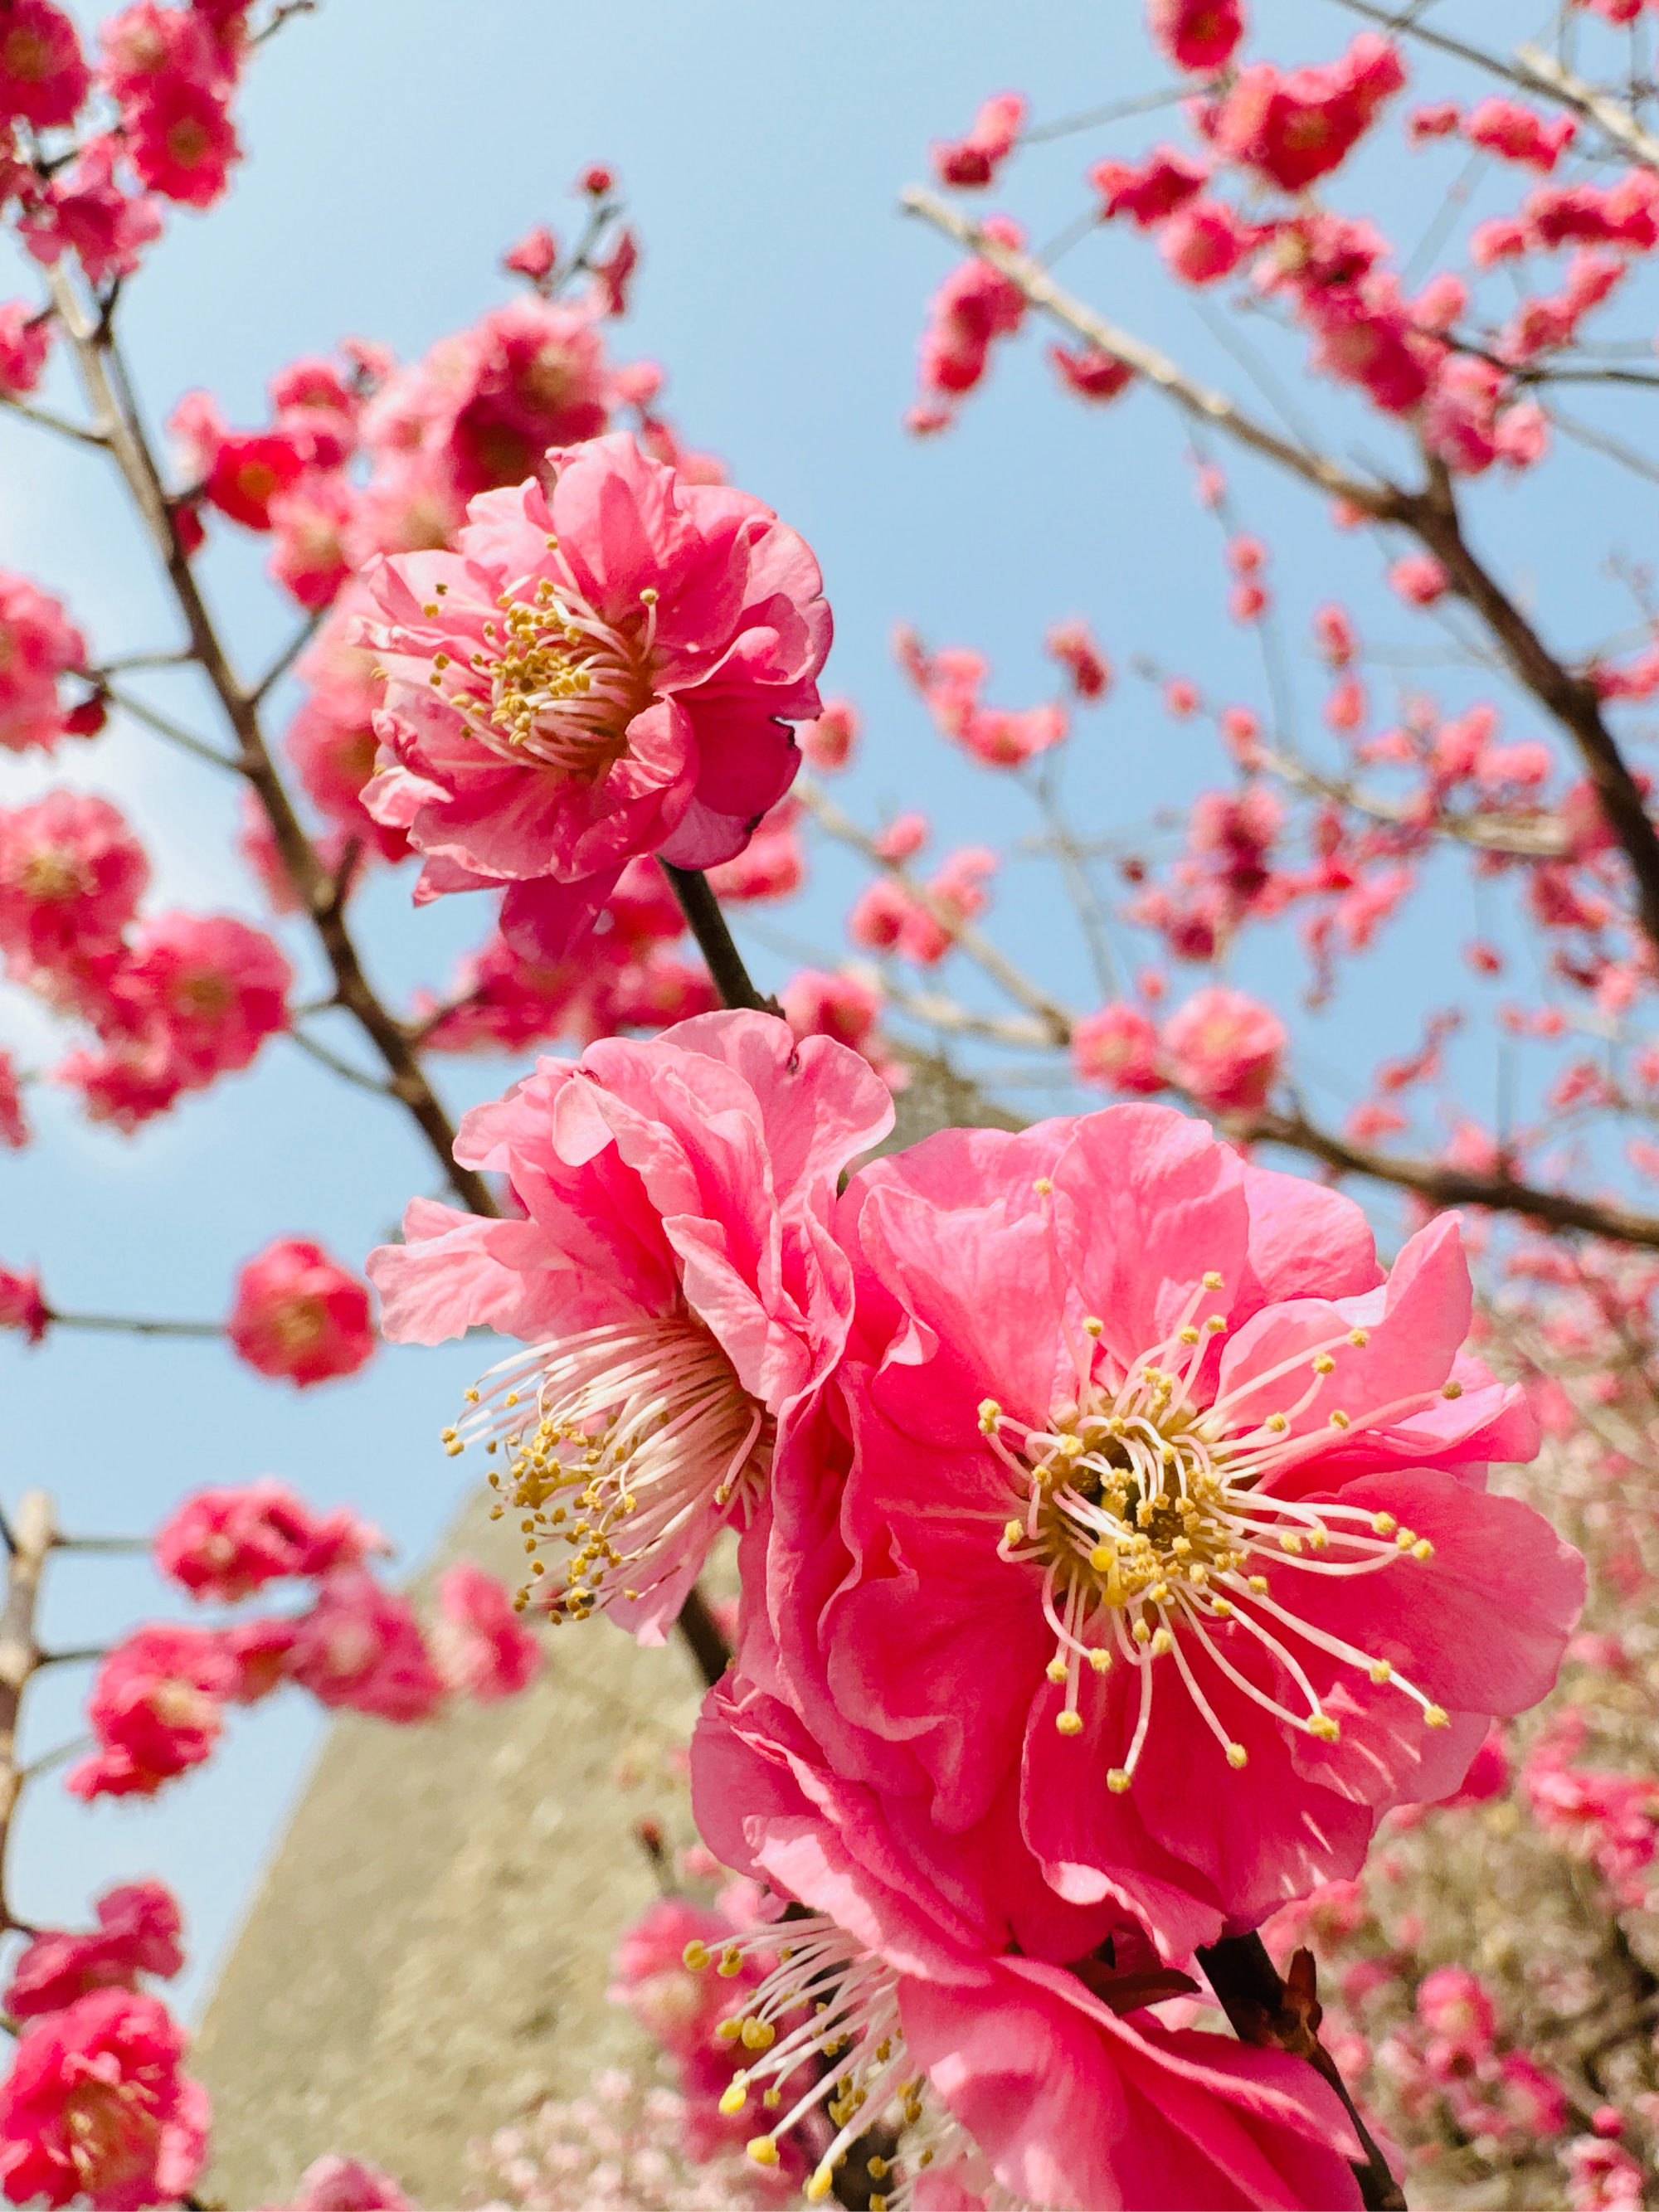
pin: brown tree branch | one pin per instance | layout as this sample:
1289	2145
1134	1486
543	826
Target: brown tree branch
32	1537
1429	512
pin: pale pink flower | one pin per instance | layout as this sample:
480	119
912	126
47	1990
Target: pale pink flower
631	696
1052	2081
225	1544
481	1646
1117	1048
312	521
72	876
1224	1048
39	645
298	1316
1420	579
1273	1563
361	1647
96	2108
827	745
1601	2177
333	2183
154	1710
676	1259
138	1930
1074	646
1456	2007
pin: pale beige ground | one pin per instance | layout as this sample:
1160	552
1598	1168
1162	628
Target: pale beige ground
428	1954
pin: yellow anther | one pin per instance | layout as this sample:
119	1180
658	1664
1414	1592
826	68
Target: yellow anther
989	1414
1338	1418
1360	1338
1100	1661
1324	1728
1290	1542
1318	1537
1069	1723
1158	1593
1216	1324
763	2150
758	2034
1451	1389
1277	1423
734	2098
649	595
1405	1540
772	2098
1422	1549
823	2176
1056	1670
510	1399
876	2167
1012	1531
1198	1573
1162	1642
729	2031
1381	1672
1189	1336
1141	1633
454	1450
1213	1281
1222	1610
1092	1326
1118	1780
1102	1558
1383	1524
1259	1584
1436	1716
696	1955
1237	1755
429	610
730	1961
1043	1187
1071	1448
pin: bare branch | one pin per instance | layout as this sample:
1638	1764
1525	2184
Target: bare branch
124	1325
336	1065
45	419
20	1654
165	726
290	653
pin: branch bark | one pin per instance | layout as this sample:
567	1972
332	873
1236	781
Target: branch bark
32	1537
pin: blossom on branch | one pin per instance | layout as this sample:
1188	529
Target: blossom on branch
138	1930
38	646
299	1317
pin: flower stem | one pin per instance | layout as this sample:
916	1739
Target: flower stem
707	923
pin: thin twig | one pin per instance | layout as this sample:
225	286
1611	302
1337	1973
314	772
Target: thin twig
164	726
286	659
124	1325
336	1065
44	418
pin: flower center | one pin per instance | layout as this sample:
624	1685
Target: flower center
553	679
828	2012
621	1443
53	872
111	2129
1150	1517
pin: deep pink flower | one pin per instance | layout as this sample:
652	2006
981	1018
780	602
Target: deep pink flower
975	305
126	1084
299	1315
1275	1567
210	986
312	520
1206	241
1117	1048
482	1647
182	141
226	1543
38	645
44	75
331	744
22	1305
1196	35
146	47
96	2108
72	876
1074	644
361	1647
1224	1048
138	1931
25	343
847	1008
154	1710
248	469
632	697
1091	372
1456	2007
84	210
1150	191
1049	2079
1518	134
771	866
975	159
1294	127
675	1257
259	1651
13	1123
1420	579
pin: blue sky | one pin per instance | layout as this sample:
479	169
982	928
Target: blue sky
394	154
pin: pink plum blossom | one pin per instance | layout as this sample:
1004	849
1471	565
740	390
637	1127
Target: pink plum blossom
97	2108
1224	1048
361	1647
299	1315
138	1928
225	1544
39	645
632	695
155	1711
1118	1050
481	1646
1275	1564
676	1258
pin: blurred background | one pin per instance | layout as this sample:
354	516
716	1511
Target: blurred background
394	153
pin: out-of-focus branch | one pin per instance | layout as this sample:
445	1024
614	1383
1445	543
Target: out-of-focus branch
1054	1019
1446	1186
1430	512
124	1325
45	419
1380	499
1532	69
109	397
165	726
20	1654
702	910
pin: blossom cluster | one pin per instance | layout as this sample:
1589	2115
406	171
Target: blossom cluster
158	1704
1196	1489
